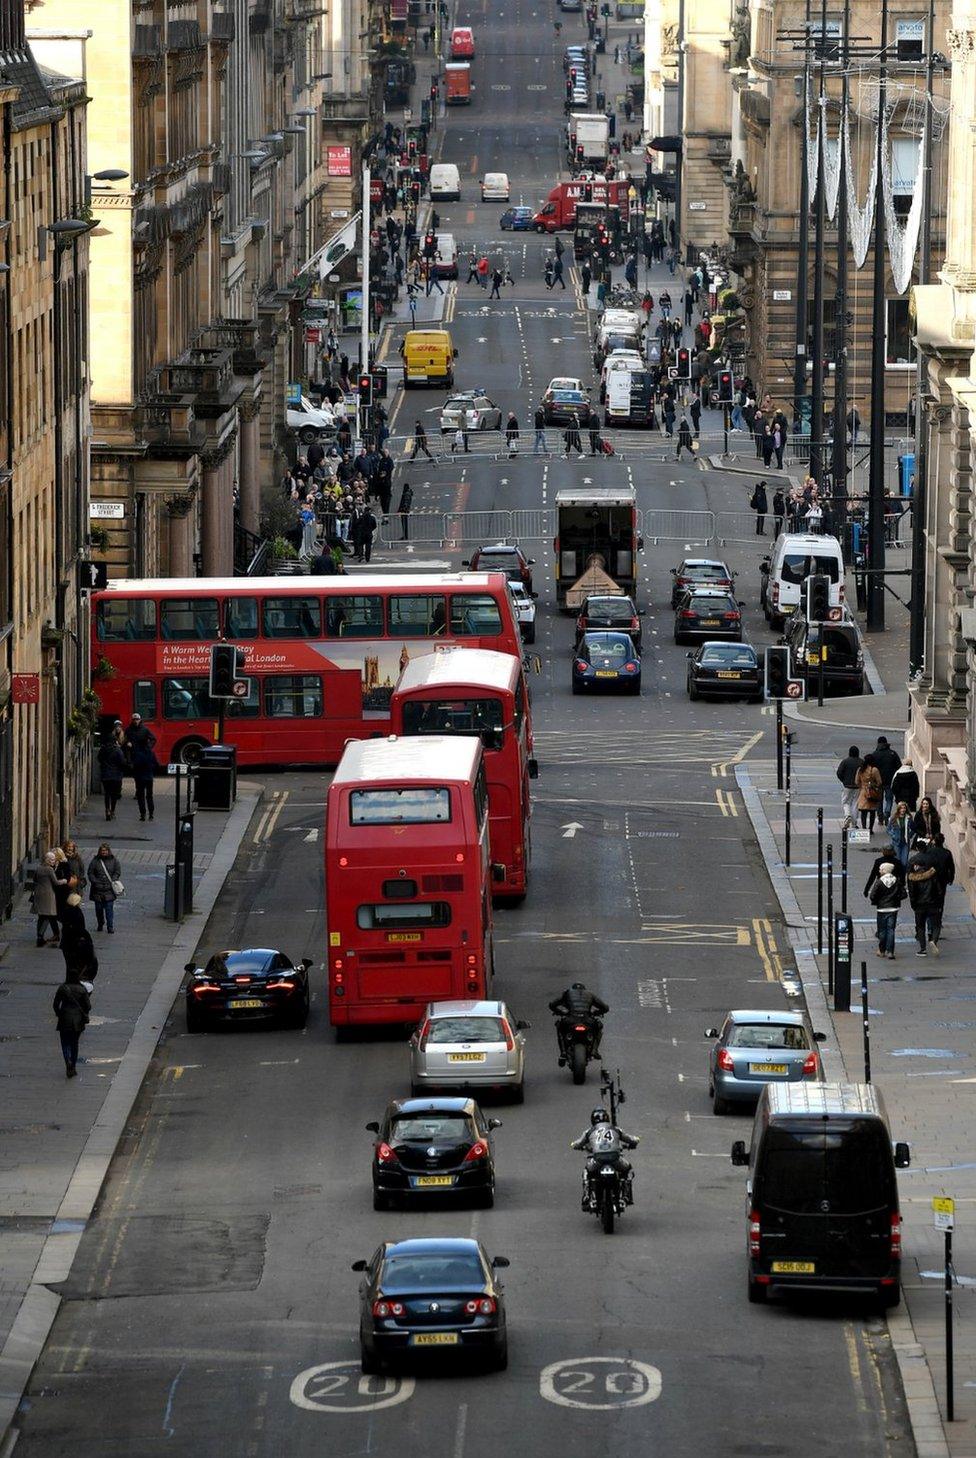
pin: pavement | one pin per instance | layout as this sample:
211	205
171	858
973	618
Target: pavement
58	1136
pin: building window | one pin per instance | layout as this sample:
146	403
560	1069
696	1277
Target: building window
910	39
899	345
831	48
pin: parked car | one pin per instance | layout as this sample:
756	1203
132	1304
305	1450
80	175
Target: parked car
310	421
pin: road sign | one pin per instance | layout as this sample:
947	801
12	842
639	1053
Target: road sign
241	688
943	1212
25	688
794	688
654	352
858	837
672	372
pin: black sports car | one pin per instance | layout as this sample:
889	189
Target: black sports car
418	1295
433	1147
242	986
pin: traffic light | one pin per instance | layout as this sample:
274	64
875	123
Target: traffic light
684	364
411	149
777	672
415	191
818	598
365	389
226	666
725	387
579	155
587	192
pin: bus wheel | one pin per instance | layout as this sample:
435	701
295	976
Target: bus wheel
189	751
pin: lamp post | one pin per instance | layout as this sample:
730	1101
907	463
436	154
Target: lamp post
802	273
839	463
820	225
876	460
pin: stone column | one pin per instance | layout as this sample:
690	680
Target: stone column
217	529
250	465
960	264
179	510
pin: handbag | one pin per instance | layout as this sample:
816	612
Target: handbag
118	887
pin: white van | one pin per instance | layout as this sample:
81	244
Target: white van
495	187
445	181
446	262
795	557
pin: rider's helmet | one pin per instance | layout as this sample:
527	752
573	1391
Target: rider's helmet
599	1116
579	987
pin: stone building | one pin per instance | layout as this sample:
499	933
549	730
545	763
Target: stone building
942	738
767	141
44	428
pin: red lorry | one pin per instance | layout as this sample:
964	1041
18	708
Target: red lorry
457	75
559	211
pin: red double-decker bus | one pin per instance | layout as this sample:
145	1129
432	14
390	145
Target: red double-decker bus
321	655
475	691
407	878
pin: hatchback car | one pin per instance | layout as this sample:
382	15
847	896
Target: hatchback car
517	220
247	986
606	661
561	405
525	610
473	409
433	1147
725	671
468	1044
418	1295
707	612
700	572
503	557
617	612
755	1048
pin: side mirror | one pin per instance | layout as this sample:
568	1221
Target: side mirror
739	1155
820	1037
358	1266
189	966
500	1262
711	1032
455	354
674	571
903	1156
640	612
640	544
466	562
497	871
531	561
372	1126
533	769
306	963
521	1025
689	655
494	1123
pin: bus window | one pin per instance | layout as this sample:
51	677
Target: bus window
418	805
417	616
144	698
354	617
126	620
185	618
481	796
292	617
380	917
452	716
293	696
188	698
241	617
519	714
474	615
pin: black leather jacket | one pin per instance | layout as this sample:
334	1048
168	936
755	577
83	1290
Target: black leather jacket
578	1002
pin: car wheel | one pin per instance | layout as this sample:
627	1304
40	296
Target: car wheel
634	688
889	1297
518	1093
486	1198
719	1106
416	1091
299	1019
194	1020
499	1361
308	433
371	1366
577	688
693	693
757	698
757	1293
381	1201
529	635
679	638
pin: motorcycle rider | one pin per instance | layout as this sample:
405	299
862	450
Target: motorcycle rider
604	1141
578	1002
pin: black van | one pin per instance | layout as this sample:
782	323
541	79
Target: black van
822	1199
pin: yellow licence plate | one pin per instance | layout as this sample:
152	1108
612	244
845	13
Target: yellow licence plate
403	937
465	1058
768	1068
606	673
429	1180
726	673
434	1339
793	1268
709	622
245	1002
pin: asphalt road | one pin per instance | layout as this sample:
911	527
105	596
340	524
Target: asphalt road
212	1308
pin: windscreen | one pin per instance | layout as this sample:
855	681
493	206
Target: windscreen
728	656
417	805
466	1030
439	1128
767	1035
452	716
433	1272
797	566
848	1169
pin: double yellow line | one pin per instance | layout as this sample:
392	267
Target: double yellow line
451	303
762	932
726	803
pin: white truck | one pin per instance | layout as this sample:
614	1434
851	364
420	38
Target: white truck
589	130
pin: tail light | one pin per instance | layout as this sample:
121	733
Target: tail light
383	1309
579	1027
687	613
732	617
283	984
755	1232
634	625
810	1064
895	1247
242	979
581	665
424	1030
631	667
478	1150
724	1061
198	987
509	1037
384	1154
775	594
484	1306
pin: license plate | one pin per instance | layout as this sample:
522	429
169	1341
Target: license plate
768	1068
429	1181
606	673
465	1058
726	673
708	622
404	937
793	1268
434	1339
240	1002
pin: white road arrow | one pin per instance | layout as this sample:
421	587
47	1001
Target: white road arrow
569	831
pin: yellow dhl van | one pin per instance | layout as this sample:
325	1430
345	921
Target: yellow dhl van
428	357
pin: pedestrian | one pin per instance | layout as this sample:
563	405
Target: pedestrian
472	267
403	511
905	786
112	767
593	426
669	416
760	505
77	947
665	302
72	1008
547	273
685	439
512	439
813	520
497	279
483	270
689	307
887	761
142	759
900	832
695	413
64	881
945	871
557	273
630	271
586	278
847	772
778	442
926	821
420	441
887	894
104	886
45	901
433	282
870	794
779	510
383	481
539	421
571	436
412	292
923	895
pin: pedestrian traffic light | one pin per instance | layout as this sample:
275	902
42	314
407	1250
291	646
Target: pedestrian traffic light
433	91
226	666
777	672
365	389
684	364
725	387
818	598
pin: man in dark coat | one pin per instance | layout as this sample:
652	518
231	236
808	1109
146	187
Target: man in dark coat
760	505
685	440
403	510
924	893
72	1007
887	761
847	774
940	857
383	481
142	758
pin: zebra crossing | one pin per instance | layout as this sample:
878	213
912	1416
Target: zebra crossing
642	748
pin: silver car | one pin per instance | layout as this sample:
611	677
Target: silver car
755	1048
468	1044
473	410
524	604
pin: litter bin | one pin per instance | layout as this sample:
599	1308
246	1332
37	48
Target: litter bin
216	777
906	470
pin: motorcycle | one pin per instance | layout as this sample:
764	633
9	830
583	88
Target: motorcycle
578	1038
607	1188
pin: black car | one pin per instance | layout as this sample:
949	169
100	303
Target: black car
699	572
603	610
433	1147
417	1295
606	660
562	407
705	612
248	985
843	665
725	670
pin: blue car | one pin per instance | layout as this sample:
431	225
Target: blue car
606	660
518	219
